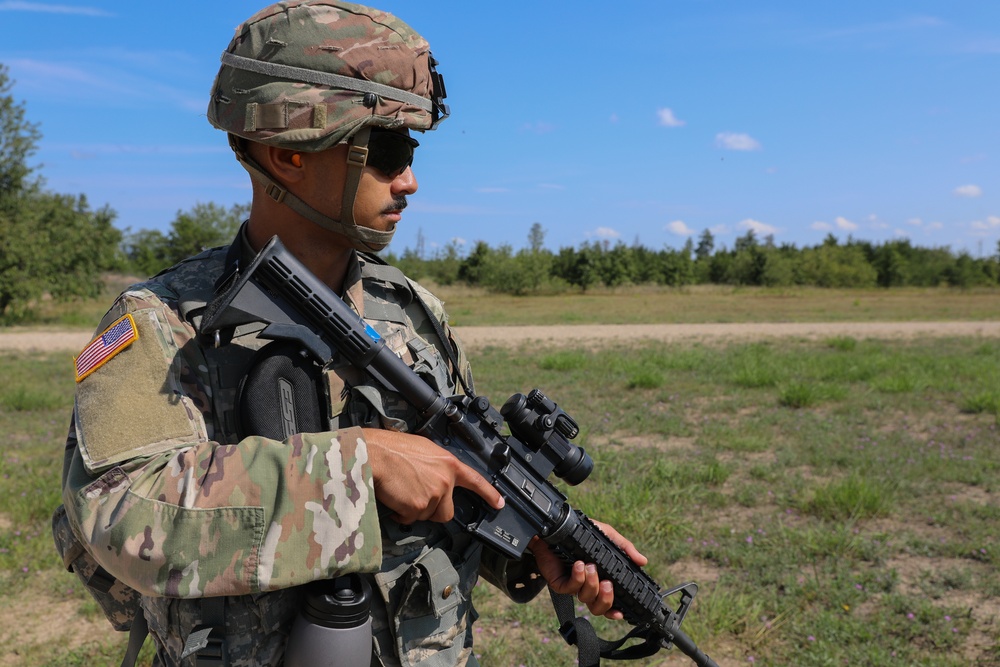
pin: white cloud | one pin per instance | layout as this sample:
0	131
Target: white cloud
15	6
992	222
54	74
90	151
916	222
734	141
935	226
876	223
757	226
719	230
679	227
604	233
668	119
845	225
108	83
821	226
968	191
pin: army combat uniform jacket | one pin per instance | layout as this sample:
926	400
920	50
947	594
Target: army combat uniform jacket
167	499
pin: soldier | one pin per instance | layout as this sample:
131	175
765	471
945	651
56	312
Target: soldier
208	533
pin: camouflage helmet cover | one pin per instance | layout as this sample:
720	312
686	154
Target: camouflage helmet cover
308	74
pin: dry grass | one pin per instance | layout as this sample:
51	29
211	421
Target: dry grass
709	303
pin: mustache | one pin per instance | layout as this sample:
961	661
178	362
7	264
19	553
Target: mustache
398	204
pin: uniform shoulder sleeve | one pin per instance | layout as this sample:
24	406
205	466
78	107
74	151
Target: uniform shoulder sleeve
131	400
171	512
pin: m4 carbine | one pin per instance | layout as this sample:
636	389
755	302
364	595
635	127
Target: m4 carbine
277	290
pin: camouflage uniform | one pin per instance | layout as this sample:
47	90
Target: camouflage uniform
158	489
173	506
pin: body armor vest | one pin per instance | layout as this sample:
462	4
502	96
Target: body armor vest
423	613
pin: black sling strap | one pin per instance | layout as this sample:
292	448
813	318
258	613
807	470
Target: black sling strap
136	636
578	631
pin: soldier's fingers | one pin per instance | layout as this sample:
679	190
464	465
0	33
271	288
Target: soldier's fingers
571	582
445	510
468	478
604	599
591	587
614	615
626	544
402	519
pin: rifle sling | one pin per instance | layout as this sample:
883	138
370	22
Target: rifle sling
591	648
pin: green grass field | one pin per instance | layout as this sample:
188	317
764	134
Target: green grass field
835	500
713	303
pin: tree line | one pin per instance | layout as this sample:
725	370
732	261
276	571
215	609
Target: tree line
751	261
50	243
55	245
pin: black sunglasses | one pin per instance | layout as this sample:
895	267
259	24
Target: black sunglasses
390	152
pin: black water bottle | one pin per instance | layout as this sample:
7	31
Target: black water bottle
334	627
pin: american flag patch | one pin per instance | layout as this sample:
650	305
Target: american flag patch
115	338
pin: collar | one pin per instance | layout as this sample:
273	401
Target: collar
354	292
241	254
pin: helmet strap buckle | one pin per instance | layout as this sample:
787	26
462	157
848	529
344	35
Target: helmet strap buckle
276	192
357	156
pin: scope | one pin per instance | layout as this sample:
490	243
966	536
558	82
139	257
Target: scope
540	424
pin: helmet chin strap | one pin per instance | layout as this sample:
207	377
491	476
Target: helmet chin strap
361	238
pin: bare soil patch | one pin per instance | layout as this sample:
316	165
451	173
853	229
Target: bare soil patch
564	335
27	629
27	340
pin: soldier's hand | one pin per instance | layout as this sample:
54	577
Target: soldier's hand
582	579
415	478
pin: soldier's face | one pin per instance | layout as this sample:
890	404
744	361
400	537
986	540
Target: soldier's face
381	197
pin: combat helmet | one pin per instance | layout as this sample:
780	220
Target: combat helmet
310	74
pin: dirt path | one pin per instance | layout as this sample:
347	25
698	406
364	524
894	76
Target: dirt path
479	337
594	334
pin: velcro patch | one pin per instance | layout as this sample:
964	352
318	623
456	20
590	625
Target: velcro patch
115	338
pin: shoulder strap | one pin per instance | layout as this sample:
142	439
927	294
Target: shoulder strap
446	343
380	269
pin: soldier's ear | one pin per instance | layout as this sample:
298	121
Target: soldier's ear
284	164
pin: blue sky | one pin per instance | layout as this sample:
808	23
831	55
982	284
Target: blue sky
648	121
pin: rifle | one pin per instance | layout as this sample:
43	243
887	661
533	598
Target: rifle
279	291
